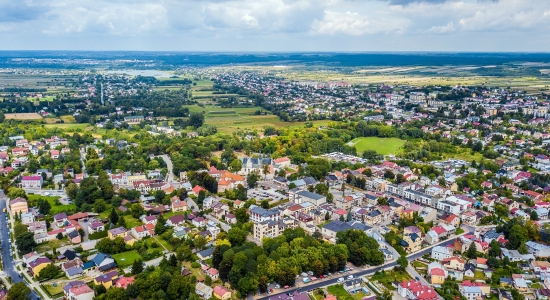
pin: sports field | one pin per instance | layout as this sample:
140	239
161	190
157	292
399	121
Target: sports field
383	146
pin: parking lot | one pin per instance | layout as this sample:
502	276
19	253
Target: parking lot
261	194
307	277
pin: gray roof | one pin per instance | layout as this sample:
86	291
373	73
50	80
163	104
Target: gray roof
338	226
265	212
310	195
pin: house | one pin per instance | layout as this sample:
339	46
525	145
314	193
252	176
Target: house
469	270
412	242
543	294
229	181
450	219
117	232
27	258
258	214
149	219
95	226
213	273
306	196
31	182
106	279
471	292
78	290
60	219
221	292
74	272
481	263
178	205
38	264
74	237
19	205
103	261
416	290
123	282
180	232
437	273
199	222
175	220
504	295
353	285
485	289
205	254
203	290
142	231
27	218
454	263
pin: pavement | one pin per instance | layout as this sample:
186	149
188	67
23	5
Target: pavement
224	226
9	263
357	272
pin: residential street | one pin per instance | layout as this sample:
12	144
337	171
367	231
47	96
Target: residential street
9	264
357	272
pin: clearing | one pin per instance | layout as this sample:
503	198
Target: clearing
383	146
23	116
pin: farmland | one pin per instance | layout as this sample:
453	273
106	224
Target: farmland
23	116
383	146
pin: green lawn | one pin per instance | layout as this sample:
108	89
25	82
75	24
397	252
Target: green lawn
48	246
131	222
67	126
383	146
126	259
387	277
51	199
340	293
478	275
54	290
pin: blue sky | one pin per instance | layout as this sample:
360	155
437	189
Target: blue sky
276	25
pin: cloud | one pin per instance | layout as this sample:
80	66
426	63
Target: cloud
442	29
355	24
11	11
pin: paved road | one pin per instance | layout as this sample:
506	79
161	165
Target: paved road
154	262
169	167
224	226
359	273
7	260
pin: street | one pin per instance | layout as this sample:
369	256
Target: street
170	173
7	259
358	272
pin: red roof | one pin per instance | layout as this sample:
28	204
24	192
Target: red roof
439	230
437	272
197	189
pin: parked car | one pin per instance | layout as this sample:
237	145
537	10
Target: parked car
341	279
417	278
350	277
304	274
277	286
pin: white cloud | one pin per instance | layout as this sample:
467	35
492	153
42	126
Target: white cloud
355	24
442	29
273	24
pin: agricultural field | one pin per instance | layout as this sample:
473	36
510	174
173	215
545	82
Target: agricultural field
68	127
23	116
383	146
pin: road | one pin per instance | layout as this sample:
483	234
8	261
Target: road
154	262
357	272
170	174
7	260
83	161
224	226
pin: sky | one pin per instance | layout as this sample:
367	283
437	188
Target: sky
276	25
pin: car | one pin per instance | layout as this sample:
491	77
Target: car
321	277
417	278
341	279
350	277
277	286
313	278
286	287
304	274
310	273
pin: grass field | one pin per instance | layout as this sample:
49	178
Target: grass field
386	278
126	259
65	126
131	222
23	116
53	290
51	199
383	146
341	294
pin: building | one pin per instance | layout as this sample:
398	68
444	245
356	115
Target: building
142	231
117	232
203	290
441	252
268	229
19	205
106	279
255	165
38	264
78	290
305	196
330	230
471	292
27	218
411	242
415	290
258	214
31	182
222	293
178	205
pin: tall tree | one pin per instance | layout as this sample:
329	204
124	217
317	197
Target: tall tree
113	216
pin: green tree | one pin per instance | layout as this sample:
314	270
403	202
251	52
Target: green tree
17	193
471	252
159	196
160	227
386	295
49	272
235	166
252	179
236	236
19	291
44	206
518	235
25	242
402	261
113	216
199	242
137	210
327	216
137	266
494	250
196	120
72	190
534	216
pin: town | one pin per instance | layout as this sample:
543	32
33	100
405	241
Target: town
251	185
